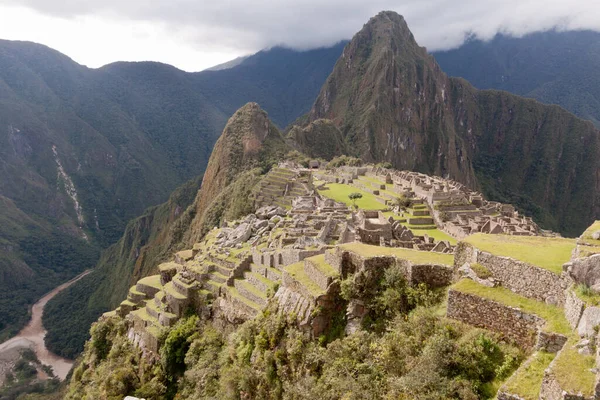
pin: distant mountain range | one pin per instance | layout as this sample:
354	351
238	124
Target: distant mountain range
386	100
83	151
553	67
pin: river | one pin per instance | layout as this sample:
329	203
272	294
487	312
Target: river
32	336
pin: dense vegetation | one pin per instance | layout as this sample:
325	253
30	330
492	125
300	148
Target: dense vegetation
23	379
405	351
552	66
148	239
52	259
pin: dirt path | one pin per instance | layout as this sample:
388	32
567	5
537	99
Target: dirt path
32	335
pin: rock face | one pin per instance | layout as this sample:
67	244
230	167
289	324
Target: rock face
391	102
586	271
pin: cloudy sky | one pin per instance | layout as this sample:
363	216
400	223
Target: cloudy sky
196	34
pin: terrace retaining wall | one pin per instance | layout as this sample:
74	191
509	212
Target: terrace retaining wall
518	276
513	323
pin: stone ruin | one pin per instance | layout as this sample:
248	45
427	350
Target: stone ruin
296	253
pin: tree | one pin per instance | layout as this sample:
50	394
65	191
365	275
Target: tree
354	196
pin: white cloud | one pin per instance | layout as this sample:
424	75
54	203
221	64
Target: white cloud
192	34
97	41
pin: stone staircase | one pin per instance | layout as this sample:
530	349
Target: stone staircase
252	289
156	302
279	187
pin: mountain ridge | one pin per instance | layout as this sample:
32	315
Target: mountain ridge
391	102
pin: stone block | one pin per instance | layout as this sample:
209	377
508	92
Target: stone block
573	308
589	319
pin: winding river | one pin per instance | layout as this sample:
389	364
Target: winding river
32	336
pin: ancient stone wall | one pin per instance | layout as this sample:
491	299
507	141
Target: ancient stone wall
520	277
513	323
431	274
573	308
550	342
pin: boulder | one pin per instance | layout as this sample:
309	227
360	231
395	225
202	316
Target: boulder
596	235
240	234
586	271
278	211
260	223
589	320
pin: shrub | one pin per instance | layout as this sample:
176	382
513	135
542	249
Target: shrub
481	271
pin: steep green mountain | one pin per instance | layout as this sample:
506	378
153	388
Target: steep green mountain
392	103
151	237
553	67
248	146
84	151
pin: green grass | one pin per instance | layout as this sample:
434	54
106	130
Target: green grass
481	271
371	179
170	289
586	237
152	281
572	370
235	293
134	291
554	316
251	288
527	381
547	253
587	295
414	256
433	231
297	272
323	265
339	192
143	314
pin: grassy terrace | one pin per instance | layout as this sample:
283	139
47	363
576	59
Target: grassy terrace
414	256
297	272
572	370
339	192
152	281
235	293
554	316
547	253
323	265
586	237
527	380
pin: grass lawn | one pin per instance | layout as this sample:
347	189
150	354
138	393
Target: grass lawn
371	180
152	281
414	256
547	253
434	233
572	370
323	265
339	192
527	381
297	272
554	316
586	238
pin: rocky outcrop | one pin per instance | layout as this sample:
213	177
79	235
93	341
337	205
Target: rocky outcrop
248	139
585	271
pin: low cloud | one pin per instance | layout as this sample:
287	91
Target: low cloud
244	26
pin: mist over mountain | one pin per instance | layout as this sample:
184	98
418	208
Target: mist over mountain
554	67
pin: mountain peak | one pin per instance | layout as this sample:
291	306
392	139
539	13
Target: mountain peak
250	140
